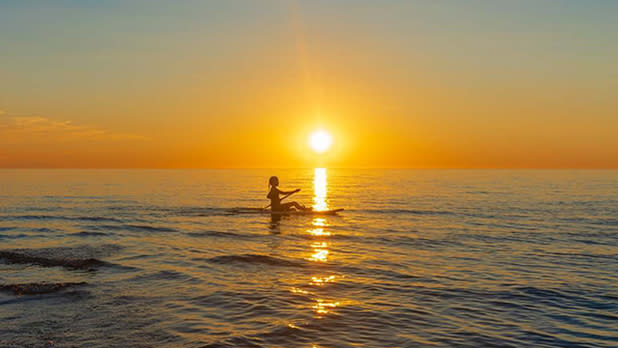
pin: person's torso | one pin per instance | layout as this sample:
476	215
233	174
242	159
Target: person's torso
273	195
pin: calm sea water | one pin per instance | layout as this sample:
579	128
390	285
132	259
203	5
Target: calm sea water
169	258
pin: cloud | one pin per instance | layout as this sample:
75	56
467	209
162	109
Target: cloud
27	128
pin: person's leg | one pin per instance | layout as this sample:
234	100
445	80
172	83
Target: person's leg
298	206
290	205
286	206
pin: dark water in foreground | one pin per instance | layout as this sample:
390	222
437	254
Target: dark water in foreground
419	258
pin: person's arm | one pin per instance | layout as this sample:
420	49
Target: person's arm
288	192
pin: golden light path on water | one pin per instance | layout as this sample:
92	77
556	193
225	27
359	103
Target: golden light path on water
320	245
319	189
320	248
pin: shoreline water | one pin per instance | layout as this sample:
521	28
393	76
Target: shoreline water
418	258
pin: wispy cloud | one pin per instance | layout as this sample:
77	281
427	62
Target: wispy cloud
20	129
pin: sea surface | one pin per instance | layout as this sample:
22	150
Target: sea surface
419	258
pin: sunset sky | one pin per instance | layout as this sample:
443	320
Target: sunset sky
419	84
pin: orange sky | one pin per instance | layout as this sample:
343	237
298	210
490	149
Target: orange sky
399	84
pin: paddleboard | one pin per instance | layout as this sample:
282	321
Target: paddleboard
307	212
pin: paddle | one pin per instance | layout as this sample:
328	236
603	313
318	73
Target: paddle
282	198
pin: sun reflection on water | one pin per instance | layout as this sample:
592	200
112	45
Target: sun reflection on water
318	232
318	221
319	255
316	245
322	280
321	308
319	189
320	247
299	291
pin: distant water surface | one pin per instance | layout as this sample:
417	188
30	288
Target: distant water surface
168	258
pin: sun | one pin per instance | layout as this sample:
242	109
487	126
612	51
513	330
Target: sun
320	141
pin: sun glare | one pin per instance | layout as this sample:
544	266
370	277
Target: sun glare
320	141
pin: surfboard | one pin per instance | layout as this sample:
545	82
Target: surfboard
307	212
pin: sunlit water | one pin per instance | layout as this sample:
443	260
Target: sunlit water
104	258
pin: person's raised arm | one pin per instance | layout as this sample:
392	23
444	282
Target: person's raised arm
288	192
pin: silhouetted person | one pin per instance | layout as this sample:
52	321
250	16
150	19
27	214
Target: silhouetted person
275	199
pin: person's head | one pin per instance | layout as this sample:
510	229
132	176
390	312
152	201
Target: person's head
273	181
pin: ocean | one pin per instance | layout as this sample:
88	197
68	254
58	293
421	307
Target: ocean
418	258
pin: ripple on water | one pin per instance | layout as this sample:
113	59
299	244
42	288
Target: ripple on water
38	288
418	258
254	259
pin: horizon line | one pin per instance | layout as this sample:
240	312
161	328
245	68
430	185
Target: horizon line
284	168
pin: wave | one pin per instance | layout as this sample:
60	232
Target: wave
88	234
406	211
130	227
72	197
176	277
254	259
150	228
21	235
21	258
600	221
95	218
215	211
84	257
206	211
600	256
38	288
62	217
219	234
200	211
43	229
